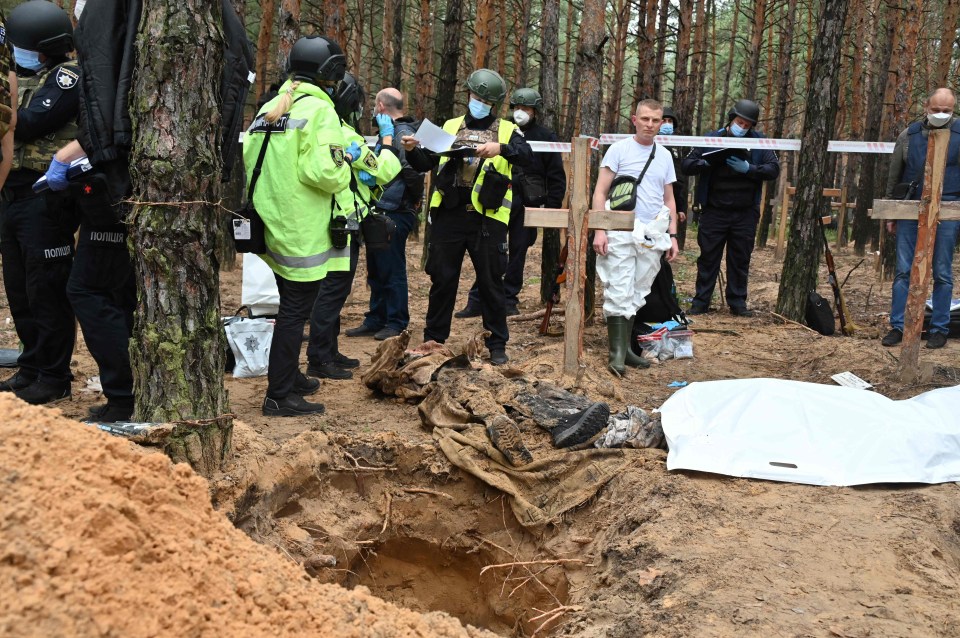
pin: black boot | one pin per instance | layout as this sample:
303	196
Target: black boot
633	359
616	337
577	428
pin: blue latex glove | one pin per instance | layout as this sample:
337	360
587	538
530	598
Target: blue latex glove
367	179
57	175
353	152
385	122
737	164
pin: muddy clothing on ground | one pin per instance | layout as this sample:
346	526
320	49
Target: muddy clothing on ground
730	211
36	231
457	227
907	166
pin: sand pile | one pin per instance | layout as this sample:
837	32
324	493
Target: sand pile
101	538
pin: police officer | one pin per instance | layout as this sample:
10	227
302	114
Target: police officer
669	127
543	183
368	172
729	194
36	231
306	165
470	209
8	105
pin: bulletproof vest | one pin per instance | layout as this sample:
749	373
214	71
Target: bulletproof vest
36	154
917	158
469	137
730	189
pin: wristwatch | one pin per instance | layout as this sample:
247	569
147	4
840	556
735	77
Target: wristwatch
674	235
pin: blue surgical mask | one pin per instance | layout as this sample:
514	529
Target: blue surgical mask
478	109
738	131
27	59
666	128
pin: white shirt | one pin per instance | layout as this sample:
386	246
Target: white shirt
628	157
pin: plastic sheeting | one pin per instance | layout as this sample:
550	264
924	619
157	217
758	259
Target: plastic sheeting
810	433
259	289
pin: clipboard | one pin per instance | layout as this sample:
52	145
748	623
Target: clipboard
459	151
719	156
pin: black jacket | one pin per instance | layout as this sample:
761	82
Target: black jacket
719	187
404	193
547	167
105	39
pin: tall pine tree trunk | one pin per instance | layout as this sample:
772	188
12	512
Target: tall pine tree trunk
804	246
178	359
612	123
753	54
335	20
682	104
661	49
396	75
424	83
549	91
267	11
289	30
483	27
449	59
725	100
951	21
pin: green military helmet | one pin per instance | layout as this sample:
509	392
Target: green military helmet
488	85
526	97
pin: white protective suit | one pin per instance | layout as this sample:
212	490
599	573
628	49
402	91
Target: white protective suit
632	263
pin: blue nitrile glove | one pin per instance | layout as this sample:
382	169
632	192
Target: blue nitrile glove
57	175
385	122
353	151
367	179
737	164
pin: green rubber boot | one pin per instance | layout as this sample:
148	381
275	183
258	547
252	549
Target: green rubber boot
616	336
632	359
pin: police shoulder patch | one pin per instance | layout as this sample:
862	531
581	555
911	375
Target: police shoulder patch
67	78
336	152
370	161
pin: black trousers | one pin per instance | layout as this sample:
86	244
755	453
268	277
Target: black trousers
36	245
325	318
519	239
103	292
296	302
453	233
735	230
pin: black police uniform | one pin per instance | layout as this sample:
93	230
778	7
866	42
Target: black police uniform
455	229
730	210
36	231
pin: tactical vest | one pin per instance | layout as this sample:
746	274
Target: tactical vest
504	133
917	159
36	154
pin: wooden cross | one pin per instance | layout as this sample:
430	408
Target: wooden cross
928	212
578	220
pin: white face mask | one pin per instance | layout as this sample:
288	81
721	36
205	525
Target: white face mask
522	118
937	120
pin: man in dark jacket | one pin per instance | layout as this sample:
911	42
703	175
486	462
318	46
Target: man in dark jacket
540	185
729	194
389	312
669	127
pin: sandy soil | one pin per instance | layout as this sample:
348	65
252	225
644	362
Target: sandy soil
656	553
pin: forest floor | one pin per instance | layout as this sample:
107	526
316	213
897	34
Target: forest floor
655	552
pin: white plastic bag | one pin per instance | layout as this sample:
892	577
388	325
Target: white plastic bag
249	340
258	291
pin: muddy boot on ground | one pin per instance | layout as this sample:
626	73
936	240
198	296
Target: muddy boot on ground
617	328
505	435
578	428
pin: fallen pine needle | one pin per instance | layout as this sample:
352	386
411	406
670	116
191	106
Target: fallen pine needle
558	561
423	490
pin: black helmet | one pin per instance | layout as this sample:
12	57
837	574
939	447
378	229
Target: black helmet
668	112
316	59
489	85
348	100
41	26
747	109
526	97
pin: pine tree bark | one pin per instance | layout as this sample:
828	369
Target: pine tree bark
335	20
178	359
725	100
396	76
386	58
903	97
698	64
612	122
682	104
549	67
805	243
661	49
289	30
753	55
424	83
483	27
951	22
267	11
521	44
449	59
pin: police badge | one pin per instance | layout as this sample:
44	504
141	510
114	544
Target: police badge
336	152
66	79
370	161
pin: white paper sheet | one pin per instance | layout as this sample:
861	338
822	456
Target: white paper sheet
434	138
810	433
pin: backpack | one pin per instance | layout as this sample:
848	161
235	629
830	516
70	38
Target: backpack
661	304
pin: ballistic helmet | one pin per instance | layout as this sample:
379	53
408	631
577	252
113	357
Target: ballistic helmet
747	109
526	97
668	112
316	59
348	100
488	85
41	26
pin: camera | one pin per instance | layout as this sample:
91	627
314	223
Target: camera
339	234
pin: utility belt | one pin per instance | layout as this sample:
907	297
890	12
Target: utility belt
11	194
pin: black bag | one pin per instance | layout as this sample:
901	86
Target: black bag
660	305
377	230
95	202
905	190
249	233
534	189
494	189
819	314
623	193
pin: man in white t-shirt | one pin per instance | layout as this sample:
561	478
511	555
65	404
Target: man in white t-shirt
629	261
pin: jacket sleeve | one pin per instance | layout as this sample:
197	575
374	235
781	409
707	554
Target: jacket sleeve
556	176
412	178
680	188
897	163
51	108
694	164
384	166
422	161
517	151
767	169
322	161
